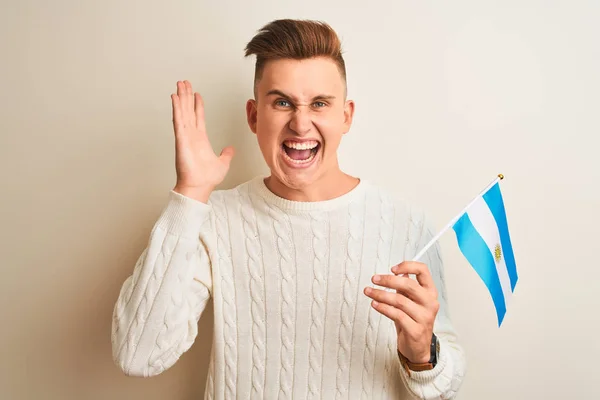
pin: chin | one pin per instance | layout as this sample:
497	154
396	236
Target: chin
297	182
298	175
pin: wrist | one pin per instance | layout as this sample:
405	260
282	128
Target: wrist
422	361
420	358
200	194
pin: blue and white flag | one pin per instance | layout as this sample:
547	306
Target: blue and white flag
483	238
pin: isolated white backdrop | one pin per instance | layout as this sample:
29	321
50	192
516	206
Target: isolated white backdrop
448	95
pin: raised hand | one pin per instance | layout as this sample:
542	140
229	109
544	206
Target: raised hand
199	169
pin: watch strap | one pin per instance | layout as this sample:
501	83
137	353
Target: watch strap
411	366
426	366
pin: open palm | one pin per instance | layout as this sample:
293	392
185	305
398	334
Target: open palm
199	169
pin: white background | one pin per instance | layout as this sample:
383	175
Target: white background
449	94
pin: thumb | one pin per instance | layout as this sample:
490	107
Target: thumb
226	155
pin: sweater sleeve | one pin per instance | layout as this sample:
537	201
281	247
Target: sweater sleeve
155	318
444	381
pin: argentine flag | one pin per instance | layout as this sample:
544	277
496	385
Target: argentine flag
483	238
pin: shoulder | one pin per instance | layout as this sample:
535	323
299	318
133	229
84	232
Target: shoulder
405	212
223	196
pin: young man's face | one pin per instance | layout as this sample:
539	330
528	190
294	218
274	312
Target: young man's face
299	117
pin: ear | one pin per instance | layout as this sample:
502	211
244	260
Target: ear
348	115
252	114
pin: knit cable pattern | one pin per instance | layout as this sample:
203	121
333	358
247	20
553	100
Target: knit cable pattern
228	306
153	278
257	294
180	326
391	357
120	325
285	250
320	244
391	353
349	296
384	248
155	318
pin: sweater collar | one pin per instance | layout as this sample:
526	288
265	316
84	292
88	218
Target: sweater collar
258	186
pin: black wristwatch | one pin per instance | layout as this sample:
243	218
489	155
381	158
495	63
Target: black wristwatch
429	365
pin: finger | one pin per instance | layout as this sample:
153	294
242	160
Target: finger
418	269
401	284
406	286
226	155
180	89
190	96
186	101
396	315
199	109
421	273
181	99
176	112
399	301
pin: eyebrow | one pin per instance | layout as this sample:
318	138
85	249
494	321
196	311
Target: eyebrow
275	92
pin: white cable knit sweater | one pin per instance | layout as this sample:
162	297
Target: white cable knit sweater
287	280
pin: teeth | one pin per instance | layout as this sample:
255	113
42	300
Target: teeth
309	159
301	145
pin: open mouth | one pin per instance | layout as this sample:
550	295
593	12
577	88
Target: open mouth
300	153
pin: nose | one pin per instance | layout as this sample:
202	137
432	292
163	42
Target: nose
301	121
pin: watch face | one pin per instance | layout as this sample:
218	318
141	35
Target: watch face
435	350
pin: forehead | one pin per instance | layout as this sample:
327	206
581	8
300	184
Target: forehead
302	78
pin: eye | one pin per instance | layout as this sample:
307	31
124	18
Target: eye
282	103
319	104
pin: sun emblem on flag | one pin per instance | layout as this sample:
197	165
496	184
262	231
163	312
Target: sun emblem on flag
497	253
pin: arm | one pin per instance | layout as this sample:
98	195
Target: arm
444	381
417	305
156	315
157	312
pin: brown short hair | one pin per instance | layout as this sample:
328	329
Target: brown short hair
295	39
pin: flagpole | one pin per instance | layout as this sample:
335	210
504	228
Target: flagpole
451	223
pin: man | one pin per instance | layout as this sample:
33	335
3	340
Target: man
307	268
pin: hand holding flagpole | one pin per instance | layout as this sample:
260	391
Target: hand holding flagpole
482	232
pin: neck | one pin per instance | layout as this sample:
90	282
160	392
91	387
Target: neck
327	187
